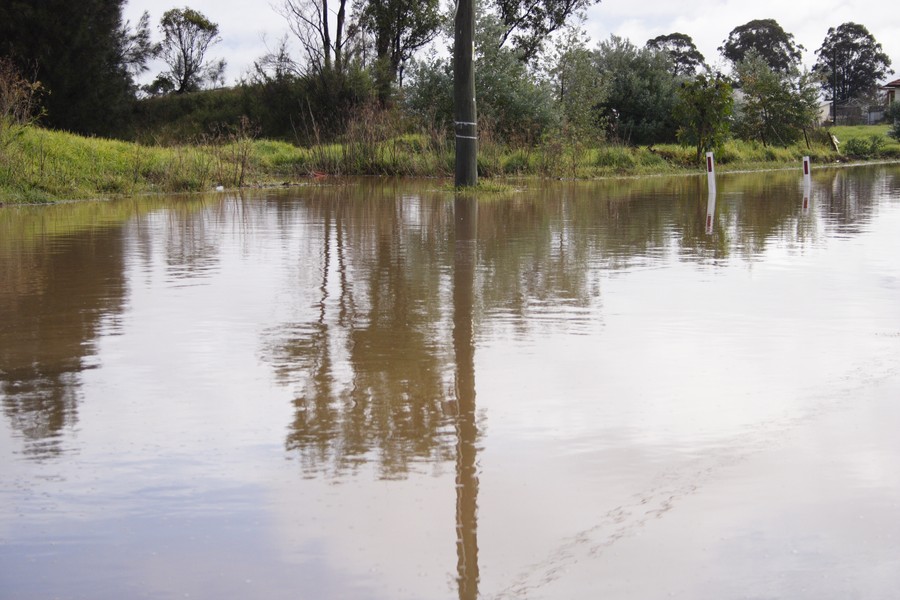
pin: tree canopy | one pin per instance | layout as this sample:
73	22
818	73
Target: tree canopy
83	54
399	27
528	23
686	59
703	112
640	89
770	42
776	108
850	62
187	35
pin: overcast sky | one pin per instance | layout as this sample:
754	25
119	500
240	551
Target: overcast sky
247	25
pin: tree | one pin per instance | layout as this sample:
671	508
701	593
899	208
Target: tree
187	35
777	108
135	46
892	114
766	37
84	56
527	23
510	100
640	92
686	59
851	62
310	22
400	27
577	85
703	111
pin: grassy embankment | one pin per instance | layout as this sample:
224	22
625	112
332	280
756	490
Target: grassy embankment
38	165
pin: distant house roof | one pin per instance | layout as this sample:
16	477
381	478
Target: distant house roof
891	85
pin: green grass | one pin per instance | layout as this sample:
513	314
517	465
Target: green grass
866	141
39	165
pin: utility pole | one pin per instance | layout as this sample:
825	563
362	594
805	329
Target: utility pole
464	95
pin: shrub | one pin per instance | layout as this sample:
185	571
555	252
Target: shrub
892	114
864	148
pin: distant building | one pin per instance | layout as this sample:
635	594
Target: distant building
890	91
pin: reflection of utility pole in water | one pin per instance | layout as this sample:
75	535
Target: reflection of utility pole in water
465	211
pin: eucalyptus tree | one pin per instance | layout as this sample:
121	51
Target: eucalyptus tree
770	42
187	36
324	41
527	24
850	62
686	58
399	28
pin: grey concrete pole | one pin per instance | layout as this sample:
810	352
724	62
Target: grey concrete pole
466	127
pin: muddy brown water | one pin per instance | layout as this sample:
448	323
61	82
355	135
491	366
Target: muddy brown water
377	390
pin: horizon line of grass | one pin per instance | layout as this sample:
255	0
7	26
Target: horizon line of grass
39	165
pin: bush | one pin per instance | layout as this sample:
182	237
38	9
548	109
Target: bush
865	148
892	114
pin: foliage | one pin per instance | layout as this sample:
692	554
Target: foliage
399	28
510	101
871	147
851	62
640	98
18	100
770	42
776	108
428	97
136	47
82	53
187	36
686	59
892	115
528	23
703	111
48	165
305	109
577	86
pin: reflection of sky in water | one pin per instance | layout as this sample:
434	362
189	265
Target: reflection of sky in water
660	408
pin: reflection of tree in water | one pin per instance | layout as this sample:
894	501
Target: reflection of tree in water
61	283
371	359
54	299
370	354
848	197
193	238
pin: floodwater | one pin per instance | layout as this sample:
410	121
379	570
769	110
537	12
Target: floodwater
625	389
